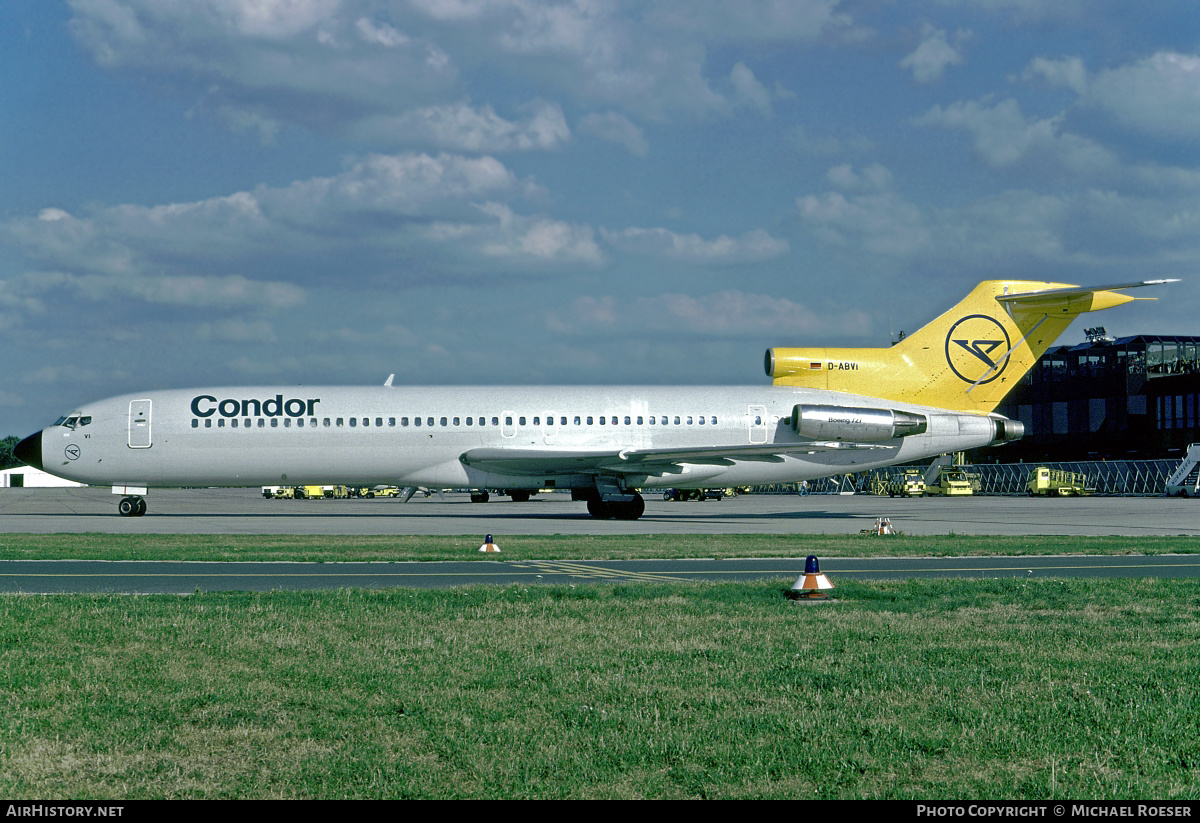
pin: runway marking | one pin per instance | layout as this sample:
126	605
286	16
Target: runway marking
586	571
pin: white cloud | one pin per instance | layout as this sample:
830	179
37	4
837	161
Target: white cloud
535	239
934	53
1004	137
616	128
865	210
352	66
1159	95
750	247
375	198
1066	72
460	127
748	91
724	313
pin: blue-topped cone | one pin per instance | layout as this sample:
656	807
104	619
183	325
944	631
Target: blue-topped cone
812	584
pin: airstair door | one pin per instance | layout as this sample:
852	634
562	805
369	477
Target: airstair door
139	424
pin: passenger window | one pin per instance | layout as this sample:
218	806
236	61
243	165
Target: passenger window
520	421
378	421
495	421
577	420
469	421
299	422
274	422
429	421
403	421
195	423
287	422
233	423
353	422
456	421
312	421
443	421
262	422
564	421
589	421
601	420
207	423
340	422
416	421
676	420
627	420
391	421
537	421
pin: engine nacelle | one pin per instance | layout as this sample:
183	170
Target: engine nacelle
859	424
1007	430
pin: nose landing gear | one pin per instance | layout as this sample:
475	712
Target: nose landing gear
132	506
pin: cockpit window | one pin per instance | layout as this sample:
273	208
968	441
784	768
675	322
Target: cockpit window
71	421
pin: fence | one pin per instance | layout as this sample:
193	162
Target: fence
1111	477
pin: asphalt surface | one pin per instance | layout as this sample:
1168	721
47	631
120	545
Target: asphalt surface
174	577
245	511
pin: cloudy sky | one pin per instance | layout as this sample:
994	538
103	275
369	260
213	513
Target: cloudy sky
598	191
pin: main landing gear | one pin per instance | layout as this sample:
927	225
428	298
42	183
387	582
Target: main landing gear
616	510
132	506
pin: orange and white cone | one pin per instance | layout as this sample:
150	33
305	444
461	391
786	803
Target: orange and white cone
812	584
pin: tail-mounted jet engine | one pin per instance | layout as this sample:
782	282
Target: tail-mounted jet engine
847	423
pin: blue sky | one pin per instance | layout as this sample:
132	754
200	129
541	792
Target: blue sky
218	192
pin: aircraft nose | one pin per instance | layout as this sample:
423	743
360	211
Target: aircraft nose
29	450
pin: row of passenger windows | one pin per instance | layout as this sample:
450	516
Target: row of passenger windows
446	422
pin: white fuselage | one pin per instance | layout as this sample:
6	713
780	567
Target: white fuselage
415	436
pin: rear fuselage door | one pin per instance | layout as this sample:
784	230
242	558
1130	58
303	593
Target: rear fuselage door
757	421
139	424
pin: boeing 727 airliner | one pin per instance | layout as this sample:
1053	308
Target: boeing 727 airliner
828	411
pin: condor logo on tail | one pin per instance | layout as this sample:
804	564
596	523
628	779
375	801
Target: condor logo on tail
977	349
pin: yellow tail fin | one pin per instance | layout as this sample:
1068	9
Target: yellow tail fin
967	359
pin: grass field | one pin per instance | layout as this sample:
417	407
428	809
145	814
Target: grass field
557	547
923	689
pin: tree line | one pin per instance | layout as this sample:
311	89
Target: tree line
7	461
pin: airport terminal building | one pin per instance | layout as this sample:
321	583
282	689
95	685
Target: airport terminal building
1130	398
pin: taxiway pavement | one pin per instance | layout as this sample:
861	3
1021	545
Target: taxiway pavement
245	511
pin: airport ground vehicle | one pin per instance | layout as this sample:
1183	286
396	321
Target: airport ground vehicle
909	484
1047	482
695	494
953	481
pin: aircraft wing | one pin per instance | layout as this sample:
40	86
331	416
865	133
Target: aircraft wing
641	461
